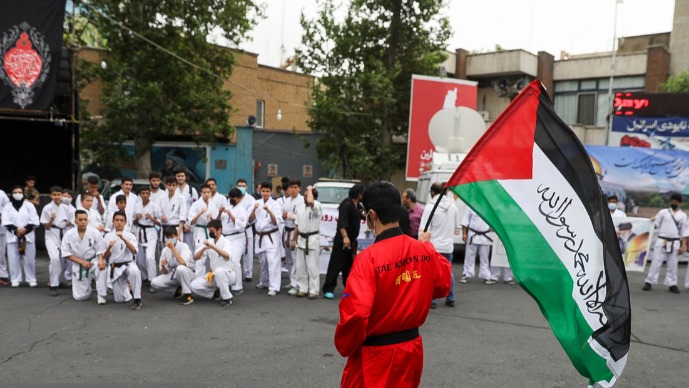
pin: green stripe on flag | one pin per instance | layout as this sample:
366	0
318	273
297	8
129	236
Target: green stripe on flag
539	271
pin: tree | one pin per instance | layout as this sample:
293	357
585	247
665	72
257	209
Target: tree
366	62
677	84
150	94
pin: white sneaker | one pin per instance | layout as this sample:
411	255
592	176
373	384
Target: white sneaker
15	285
272	293
292	291
101	300
489	282
464	279
33	284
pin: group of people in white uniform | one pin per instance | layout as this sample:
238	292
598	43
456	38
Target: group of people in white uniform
167	237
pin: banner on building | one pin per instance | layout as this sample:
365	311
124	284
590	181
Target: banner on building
670	133
30	51
428	96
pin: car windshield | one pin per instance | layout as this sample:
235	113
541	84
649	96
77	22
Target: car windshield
332	194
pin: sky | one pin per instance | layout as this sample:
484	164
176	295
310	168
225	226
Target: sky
578	27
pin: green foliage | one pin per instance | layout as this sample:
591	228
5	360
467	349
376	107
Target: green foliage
149	94
677	84
365	63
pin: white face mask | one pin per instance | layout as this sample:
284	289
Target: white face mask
174	240
612	206
18	196
66	200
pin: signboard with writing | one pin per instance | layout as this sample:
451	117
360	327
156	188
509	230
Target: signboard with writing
650	132
651	104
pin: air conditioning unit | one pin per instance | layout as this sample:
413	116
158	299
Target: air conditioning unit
485	115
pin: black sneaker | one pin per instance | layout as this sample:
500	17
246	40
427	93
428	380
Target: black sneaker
450	303
178	293
647	286
248	279
136	305
216	295
674	289
53	291
225	302
187	300
433	305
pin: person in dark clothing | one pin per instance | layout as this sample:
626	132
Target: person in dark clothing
344	242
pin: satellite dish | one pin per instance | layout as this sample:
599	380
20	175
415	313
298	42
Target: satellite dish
456	130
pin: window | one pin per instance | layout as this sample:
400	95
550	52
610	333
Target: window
260	113
586	113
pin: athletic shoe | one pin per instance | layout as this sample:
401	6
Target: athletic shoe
216	295
225	302
312	296
151	290
33	284
15	285
293	291
261	286
489	282
187	300
284	269
272	293
509	282
287	287
247	279
4	281
237	292
450	303
329	295
178	293
101	300
674	289
53	291
301	294
647	286
464	279
137	304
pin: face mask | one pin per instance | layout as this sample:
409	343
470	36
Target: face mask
66	200
174	240
211	235
612	206
243	190
18	196
674	206
233	202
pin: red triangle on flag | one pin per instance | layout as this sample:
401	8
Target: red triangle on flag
505	151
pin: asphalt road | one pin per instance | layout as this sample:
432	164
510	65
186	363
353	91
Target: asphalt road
495	336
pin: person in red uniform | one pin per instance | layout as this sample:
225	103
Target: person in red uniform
387	299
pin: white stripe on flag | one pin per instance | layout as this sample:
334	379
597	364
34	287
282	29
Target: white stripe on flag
558	213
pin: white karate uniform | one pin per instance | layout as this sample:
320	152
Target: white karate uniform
190	195
290	205
476	241
94	204
308	223
234	232
95	218
53	239
267	247
122	267
158	195
177	275
26	215
127	226
147	234
248	202
3	249
132	200
224	273
219	200
174	209
670	232
199	229
87	248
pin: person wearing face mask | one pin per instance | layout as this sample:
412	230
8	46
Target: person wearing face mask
200	213
386	298
672	228
177	267
19	218
84	246
54	218
234	219
612	206
248	202
217	282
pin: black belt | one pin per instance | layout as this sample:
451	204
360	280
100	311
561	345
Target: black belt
477	233
233	234
116	265
668	239
306	237
62	230
392	338
269	234
142	228
288	228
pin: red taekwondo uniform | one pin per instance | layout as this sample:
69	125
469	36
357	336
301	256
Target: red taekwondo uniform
387	297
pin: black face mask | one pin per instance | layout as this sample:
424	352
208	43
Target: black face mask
674	206
211	235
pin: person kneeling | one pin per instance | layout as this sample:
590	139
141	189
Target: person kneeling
177	267
84	247
121	250
223	272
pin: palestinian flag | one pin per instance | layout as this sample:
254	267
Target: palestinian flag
532	181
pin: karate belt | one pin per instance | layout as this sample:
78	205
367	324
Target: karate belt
83	271
209	278
306	237
142	231
477	233
246	237
671	241
62	231
233	234
269	234
116	265
204	227
392	338
287	235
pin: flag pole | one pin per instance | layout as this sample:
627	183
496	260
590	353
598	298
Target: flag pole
437	202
